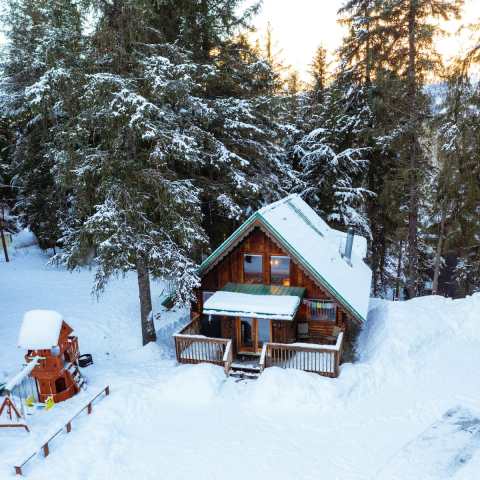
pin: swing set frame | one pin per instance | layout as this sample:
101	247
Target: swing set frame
11	411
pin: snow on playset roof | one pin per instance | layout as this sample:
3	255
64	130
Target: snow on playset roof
316	246
233	304
40	330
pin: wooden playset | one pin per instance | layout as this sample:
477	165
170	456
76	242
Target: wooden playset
51	374
46	336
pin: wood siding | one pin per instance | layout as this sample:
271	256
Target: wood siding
230	269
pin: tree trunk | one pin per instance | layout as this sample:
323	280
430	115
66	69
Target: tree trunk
399	272
438	253
413	164
148	328
4	245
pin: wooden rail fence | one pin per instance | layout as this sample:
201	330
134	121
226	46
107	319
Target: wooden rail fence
321	359
68	428
193	348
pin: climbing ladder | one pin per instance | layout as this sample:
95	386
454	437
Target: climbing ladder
77	376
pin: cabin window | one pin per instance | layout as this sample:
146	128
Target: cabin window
280	270
253	268
321	310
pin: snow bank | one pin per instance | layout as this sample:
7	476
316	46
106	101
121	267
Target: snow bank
24	238
193	384
278	389
417	360
402	335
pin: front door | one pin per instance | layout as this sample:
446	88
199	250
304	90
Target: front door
252	333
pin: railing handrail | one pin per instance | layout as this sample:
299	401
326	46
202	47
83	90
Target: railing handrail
263	356
193	320
303	347
201	338
228	349
227	357
329	366
338	343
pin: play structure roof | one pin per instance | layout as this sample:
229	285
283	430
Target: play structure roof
40	329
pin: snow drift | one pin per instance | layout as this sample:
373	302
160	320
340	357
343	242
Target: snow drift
416	361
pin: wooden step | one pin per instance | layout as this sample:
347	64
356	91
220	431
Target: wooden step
244	372
245	368
244	375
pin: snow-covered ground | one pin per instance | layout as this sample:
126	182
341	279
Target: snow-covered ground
418	360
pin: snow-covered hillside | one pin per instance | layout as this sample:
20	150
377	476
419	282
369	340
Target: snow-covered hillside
418	360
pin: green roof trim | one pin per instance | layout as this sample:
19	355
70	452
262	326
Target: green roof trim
237	233
260	289
320	278
245	226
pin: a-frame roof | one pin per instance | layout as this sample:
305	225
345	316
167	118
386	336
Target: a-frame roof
315	246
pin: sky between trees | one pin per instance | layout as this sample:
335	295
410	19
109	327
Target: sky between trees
300	26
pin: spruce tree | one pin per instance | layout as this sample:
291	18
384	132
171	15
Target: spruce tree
163	129
412	56
41	60
456	189
333	159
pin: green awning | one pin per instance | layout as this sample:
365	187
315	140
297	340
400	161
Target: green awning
260	289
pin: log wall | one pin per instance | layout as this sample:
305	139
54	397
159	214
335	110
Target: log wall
230	269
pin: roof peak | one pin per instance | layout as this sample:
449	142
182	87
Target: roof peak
277	203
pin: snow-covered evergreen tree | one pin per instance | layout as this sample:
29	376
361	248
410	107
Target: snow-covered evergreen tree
42	59
333	159
456	204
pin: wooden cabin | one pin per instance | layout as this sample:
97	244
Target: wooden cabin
48	338
283	290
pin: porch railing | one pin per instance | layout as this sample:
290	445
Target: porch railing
193	348
321	359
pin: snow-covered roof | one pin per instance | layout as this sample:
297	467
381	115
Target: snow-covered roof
40	329
19	377
316	247
233	304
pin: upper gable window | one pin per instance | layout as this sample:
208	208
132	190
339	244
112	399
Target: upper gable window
252	268
280	270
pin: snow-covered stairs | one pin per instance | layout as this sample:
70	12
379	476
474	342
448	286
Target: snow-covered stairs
244	371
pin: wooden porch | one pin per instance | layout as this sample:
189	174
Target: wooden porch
191	348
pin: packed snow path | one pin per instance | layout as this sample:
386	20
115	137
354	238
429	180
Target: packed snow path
451	442
418	360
